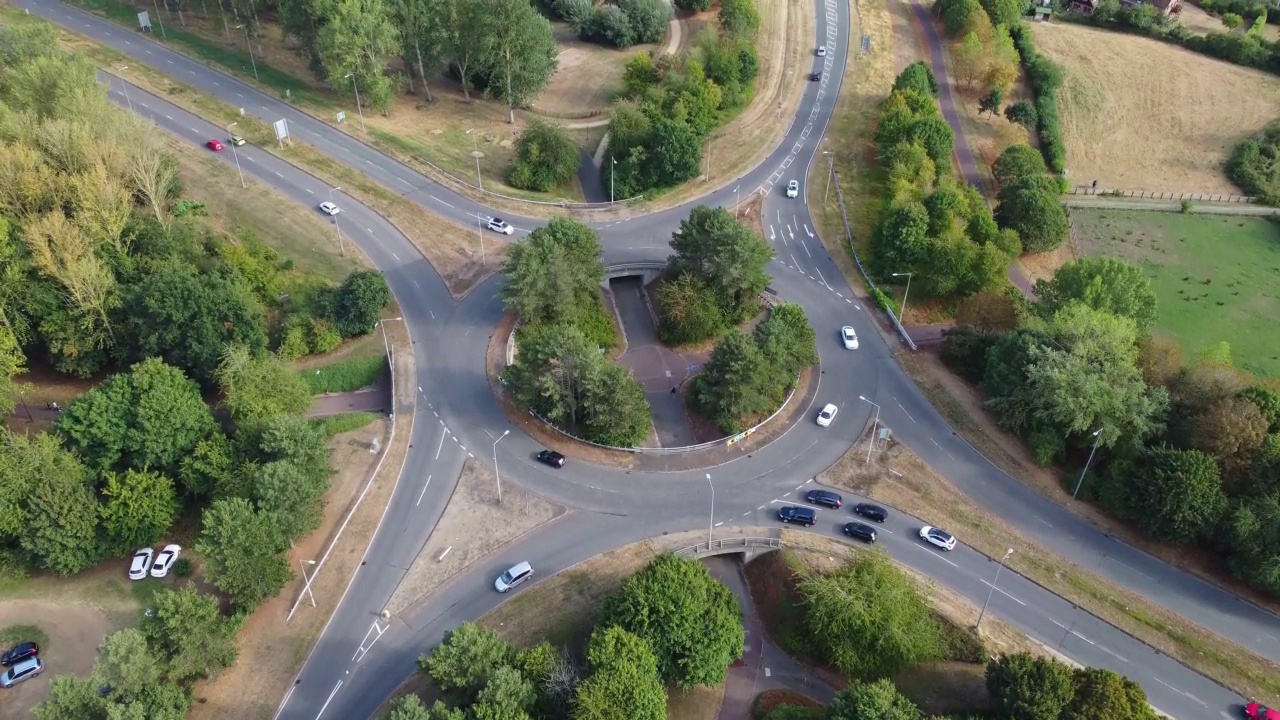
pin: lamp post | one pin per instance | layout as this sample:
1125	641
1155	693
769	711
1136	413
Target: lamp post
1097	435
155	4
992	591
613	165
336	230
712	517
235	154
475	153
125	86
871	442
248	42
496	476
905	293
356	86
831	170
306	586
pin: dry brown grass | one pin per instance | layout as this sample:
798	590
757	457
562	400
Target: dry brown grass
1139	114
915	488
700	703
474	524
74	628
588	76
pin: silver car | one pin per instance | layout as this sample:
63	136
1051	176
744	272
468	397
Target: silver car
21	672
518	574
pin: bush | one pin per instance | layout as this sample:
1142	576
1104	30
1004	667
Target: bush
964	351
575	12
1253	165
546	158
1017	163
694	5
323	337
346	375
359	302
1046	79
345	422
1022	112
182	567
648	19
294	345
611	26
917	76
1031	207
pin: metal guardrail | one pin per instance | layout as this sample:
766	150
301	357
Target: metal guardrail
1154	195
729	545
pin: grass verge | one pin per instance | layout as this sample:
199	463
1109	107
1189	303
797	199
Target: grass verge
345	422
345	375
24	633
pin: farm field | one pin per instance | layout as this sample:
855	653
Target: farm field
1216	277
1139	114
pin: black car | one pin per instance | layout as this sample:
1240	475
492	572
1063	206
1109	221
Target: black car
862	531
815	77
824	497
875	513
552	458
18	653
799	515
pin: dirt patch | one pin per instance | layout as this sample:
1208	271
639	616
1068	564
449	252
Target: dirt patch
588	77
1140	114
700	703
74	631
899	478
273	646
1043	266
766	701
946	687
474	524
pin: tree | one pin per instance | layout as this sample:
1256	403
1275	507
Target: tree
466	658
126	665
688	311
243	551
623	683
640	74
1006	12
546	157
1017	163
917	76
990	103
648	18
739	18
150	417
519	52
690	620
1002	63
674	152
988	312
256	389
1105	284
970	59
694	5
936	137
611	26
787	342
12	362
423	37
354	39
902	240
1267	401
1028	687
1175	495
734	385
553	273
879	700
359	302
727	254
1160	361
408	707
1253	530
1022	112
185	628
1104	695
71	698
60	516
1031	207
868	619
955	14
1233	430
137	510
507	695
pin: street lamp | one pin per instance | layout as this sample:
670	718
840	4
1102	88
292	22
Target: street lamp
831	170
248	42
475	153
496	476
125	86
712	517
235	154
992	591
905	293
1097	435
336	231
306	587
356	86
155	4
871	442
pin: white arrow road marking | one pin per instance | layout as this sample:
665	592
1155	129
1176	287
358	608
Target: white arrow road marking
807	230
772	236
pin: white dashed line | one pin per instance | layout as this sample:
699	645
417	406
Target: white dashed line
936	555
984	582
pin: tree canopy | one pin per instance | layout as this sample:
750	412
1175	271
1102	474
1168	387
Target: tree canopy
1106	284
622	682
243	551
553	273
1031	208
1028	687
878	700
546	157
727	255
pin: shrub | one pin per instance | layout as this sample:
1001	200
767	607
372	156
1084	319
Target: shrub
575	12
345	422
359	302
1017	163
648	19
546	158
917	76
1232	20
694	5
345	376
294	343
1046	78
610	25
1022	112
1253	165
182	567
1031	206
324	337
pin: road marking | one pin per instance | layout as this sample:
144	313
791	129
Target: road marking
904	410
1109	651
746	513
984	582
1046	522
935	442
786	494
424	490
313	192
935	554
441	446
767	673
329	700
761	507
169	117
719	523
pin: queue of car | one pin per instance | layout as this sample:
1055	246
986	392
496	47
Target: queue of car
808	517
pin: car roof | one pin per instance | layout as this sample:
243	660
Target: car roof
940	533
520	567
817	491
26	664
800	509
828	406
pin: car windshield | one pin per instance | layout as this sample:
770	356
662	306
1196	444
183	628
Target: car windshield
506	578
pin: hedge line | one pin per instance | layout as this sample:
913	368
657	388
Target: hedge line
1046	79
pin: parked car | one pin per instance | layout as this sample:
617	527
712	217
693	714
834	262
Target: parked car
938	537
18	653
214	145
140	564
21	672
552	458
861	531
815	76
499	225
850	337
827	414
165	560
824	497
875	513
793	189
798	515
519	573
329	208
1254	711
236	140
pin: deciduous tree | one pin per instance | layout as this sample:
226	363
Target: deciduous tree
60	517
1032	208
1232	429
739	18
970	59
1253	529
878	700
1104	695
734	384
408	707
187	631
1176	495
138	508
546	157
507	695
1030	688
623	683
258	388
1268	402
553	272
990	103
1022	112
713	245
359	302
126	665
1006	12
423	37
649	19
243	551
519	52
71	698
787	342
354	39
687	310
466	658
1105	284
917	76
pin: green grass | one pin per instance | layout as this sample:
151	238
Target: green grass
345	422
144	591
24	633
345	375
1216	277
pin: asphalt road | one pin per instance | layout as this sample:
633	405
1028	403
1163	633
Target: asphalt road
359	660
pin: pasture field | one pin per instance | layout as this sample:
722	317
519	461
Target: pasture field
1216	277
1139	114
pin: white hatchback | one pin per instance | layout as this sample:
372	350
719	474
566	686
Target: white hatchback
938	537
499	225
329	208
849	337
827	415
793	189
822	51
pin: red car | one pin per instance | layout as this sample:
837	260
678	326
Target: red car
213	145
1254	711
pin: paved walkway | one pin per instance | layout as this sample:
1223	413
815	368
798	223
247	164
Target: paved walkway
763	666
659	368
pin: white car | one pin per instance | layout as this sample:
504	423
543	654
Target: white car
518	573
849	337
499	225
822	51
827	415
329	208
165	560
140	564
938	537
793	189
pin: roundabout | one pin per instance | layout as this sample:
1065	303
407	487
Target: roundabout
361	657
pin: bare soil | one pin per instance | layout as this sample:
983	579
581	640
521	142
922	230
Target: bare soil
474	524
75	628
